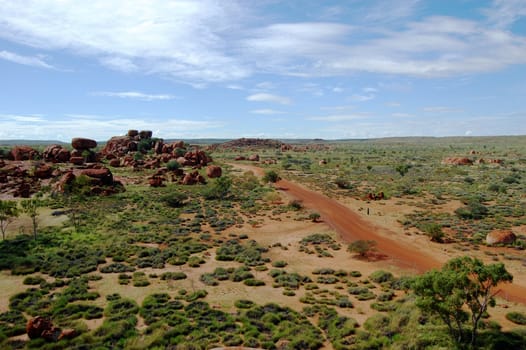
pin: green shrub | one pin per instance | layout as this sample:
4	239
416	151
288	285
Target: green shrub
253	282
33	280
244	304
381	276
173	165
516	317
173	276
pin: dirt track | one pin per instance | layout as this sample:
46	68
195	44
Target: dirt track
352	226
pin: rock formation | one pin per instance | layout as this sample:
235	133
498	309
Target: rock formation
56	154
500	237
20	153
41	327
213	171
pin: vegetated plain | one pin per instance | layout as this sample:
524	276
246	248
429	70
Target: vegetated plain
238	262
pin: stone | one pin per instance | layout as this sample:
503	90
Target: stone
43	171
213	171
133	133
76	160
103	175
145	134
500	237
19	153
254	158
80	143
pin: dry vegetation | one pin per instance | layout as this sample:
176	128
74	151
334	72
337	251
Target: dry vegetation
174	267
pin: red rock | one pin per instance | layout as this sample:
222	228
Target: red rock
115	162
156	181
23	153
80	143
145	134
43	171
240	158
213	171
182	161
457	161
56	154
103	174
500	237
37	325
119	146
66	180
133	133
254	158
76	160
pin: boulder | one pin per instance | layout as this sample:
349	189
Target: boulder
156	181
65	181
43	171
115	162
133	133
76	160
457	161
80	143
193	178
56	154
145	134
118	146
23	153
42	327
240	158
102	175
500	237
254	158
213	171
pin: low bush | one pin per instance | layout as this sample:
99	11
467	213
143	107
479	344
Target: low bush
516	317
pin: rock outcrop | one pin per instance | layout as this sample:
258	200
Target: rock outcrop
42	327
457	161
56	154
213	171
20	153
500	237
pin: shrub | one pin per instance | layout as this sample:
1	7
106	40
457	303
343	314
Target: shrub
33	280
174	199
271	176
173	276
279	263
516	317
381	276
253	282
173	165
244	304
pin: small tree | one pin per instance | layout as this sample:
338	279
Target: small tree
30	208
271	176
402	169
8	211
219	189
314	217
461	291
362	247
434	231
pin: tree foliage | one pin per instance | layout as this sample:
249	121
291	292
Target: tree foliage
8	211
460	292
362	247
30	208
271	176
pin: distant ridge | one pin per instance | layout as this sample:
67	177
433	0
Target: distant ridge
11	143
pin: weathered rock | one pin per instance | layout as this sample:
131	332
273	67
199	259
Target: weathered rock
115	162
145	134
43	171
240	158
253	158
19	153
118	146
133	133
193	178
65	181
76	160
42	327
156	181
102	175
213	171
56	154
457	161
197	157
182	161
152	163
80	143
322	162
500	237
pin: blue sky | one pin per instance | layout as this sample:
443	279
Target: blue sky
266	68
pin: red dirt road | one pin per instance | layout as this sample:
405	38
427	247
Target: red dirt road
352	226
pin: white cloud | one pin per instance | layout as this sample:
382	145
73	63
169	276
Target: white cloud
203	41
266	111
340	117
263	97
135	95
504	13
440	109
100	127
184	39
362	98
401	115
25	60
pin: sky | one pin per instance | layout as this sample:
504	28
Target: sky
268	68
